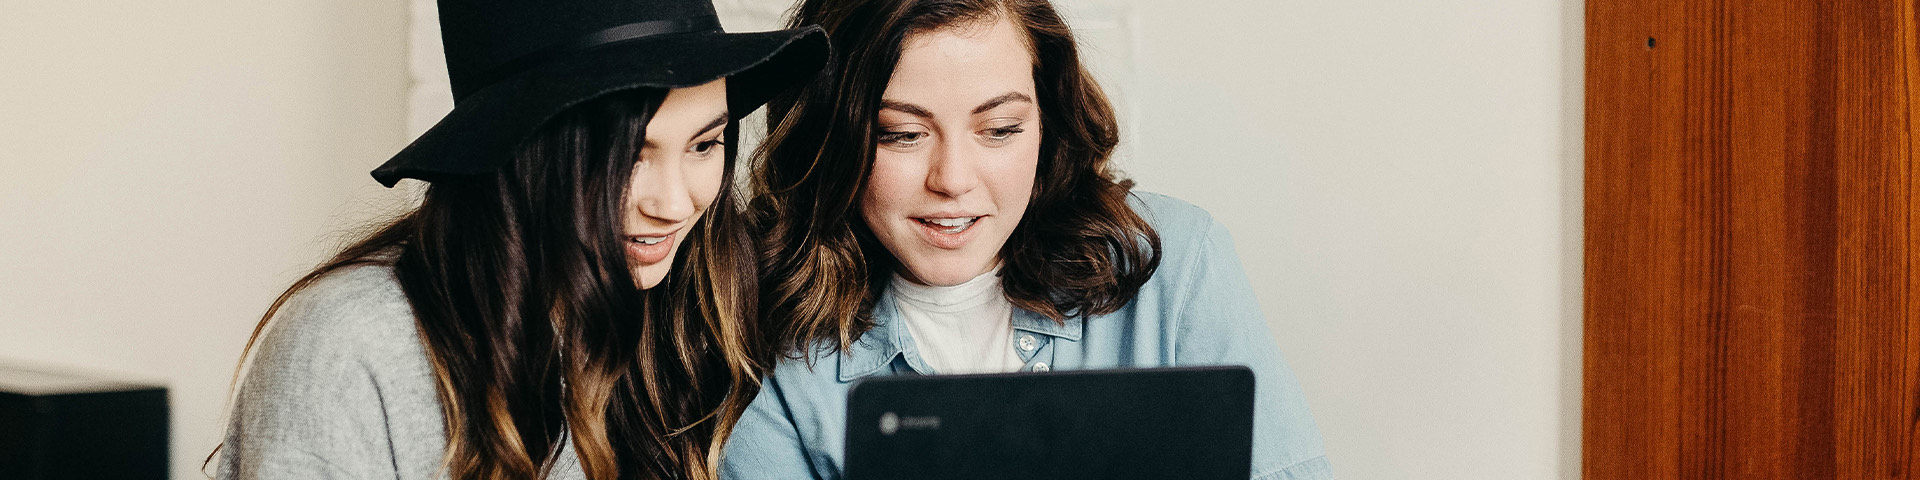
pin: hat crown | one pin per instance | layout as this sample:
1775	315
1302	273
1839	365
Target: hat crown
482	36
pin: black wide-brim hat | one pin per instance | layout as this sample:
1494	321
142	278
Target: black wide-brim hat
501	100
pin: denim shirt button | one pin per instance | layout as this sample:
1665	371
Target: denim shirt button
1040	366
1026	343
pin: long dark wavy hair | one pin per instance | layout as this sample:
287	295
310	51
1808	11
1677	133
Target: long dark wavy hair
1079	250
534	325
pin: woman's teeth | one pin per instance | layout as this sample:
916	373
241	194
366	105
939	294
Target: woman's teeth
648	240
950	225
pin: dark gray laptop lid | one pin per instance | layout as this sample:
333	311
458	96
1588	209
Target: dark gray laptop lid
1189	423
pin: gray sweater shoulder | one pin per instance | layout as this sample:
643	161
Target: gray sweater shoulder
358	311
338	387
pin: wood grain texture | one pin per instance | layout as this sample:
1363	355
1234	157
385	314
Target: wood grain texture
1752	307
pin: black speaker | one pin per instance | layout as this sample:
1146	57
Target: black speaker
57	425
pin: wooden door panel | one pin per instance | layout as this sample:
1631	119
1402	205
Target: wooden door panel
1751	303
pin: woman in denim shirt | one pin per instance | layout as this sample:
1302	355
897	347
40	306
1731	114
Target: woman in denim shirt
942	202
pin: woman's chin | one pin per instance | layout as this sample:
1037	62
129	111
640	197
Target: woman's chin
645	278
947	275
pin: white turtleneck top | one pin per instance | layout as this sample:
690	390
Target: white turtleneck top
965	328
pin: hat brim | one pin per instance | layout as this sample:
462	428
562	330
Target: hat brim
484	129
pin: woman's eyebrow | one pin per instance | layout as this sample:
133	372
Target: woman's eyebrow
1003	99
717	122
990	104
904	107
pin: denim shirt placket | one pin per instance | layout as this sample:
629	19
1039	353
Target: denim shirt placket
1034	340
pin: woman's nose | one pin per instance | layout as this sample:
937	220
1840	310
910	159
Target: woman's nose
662	191
951	171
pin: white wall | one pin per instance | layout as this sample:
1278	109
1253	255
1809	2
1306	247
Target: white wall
171	166
1402	180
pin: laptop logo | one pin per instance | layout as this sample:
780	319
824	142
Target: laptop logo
891	423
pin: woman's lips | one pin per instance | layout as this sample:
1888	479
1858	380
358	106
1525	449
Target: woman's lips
947	233
650	249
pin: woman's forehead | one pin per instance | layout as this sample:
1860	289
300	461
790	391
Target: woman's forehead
958	68
688	112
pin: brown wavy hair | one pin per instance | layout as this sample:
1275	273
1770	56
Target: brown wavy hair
1080	250
534	326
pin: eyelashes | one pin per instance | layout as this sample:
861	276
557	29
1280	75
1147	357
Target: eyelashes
707	148
1003	135
907	139
899	139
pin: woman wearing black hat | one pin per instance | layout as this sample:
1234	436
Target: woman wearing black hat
572	298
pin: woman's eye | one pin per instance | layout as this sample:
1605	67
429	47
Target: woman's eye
901	139
1003	134
706	148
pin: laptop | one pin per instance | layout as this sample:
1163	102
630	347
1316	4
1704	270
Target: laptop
1188	423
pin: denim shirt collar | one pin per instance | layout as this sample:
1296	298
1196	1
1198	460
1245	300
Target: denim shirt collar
889	338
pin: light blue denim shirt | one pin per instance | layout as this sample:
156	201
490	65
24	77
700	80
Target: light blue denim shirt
1198	309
